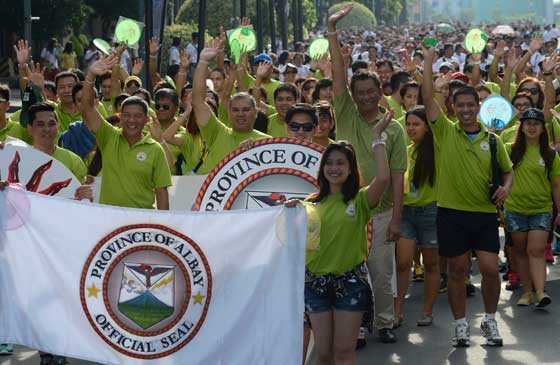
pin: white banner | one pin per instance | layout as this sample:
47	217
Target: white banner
129	286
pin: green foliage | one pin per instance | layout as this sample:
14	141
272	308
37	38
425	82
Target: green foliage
391	11
360	17
78	46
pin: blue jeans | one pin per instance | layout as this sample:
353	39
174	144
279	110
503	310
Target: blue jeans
528	222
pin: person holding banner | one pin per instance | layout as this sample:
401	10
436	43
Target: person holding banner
220	139
135	167
337	292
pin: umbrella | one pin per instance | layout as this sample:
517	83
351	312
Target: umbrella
503	30
445	28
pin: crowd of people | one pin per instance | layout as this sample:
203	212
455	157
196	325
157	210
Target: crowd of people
405	151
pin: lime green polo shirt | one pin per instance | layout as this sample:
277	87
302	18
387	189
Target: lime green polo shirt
396	106
109	106
223	114
465	167
351	126
343	240
268	86
72	161
191	147
64	118
130	173
10	129
531	192
426	193
221	140
276	128
508	135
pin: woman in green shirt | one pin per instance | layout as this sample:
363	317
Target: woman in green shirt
337	292
418	225
528	208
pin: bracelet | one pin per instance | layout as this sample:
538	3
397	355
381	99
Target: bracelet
332	33
475	63
378	142
547	73
182	73
90	82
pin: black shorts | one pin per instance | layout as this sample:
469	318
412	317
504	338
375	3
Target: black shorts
459	232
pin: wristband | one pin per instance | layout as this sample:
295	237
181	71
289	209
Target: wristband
153	56
378	142
90	82
182	73
547	73
332	33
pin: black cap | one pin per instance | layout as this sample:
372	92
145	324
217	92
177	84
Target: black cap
532	113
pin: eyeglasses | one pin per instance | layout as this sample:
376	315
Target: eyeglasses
532	91
522	106
133	85
162	106
307	127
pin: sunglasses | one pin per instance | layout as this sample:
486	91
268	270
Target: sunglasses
532	91
133	85
162	106
307	127
522	106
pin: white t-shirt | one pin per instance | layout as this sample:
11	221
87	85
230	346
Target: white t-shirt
193	53
174	56
50	57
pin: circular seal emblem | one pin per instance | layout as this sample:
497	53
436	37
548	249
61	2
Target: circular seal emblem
271	172
141	156
484	146
146	289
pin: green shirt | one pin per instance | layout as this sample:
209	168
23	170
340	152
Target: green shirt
351	126
426	193
268	86
531	192
223	114
72	161
509	134
276	128
64	118
191	147
396	106
108	105
465	167
130	173
343	243
220	141
18	131
10	129
402	122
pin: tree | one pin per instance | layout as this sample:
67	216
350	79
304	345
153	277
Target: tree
359	18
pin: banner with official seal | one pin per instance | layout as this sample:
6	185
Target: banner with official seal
130	286
271	172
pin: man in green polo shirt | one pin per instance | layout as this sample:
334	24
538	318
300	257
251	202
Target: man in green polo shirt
221	140
467	217
357	111
285	96
7	127
135	169
395	100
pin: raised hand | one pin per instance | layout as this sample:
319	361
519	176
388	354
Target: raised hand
211	50
103	65
23	51
429	55
500	49
336	17
155	129
137	67
511	59
408	63
154	46
120	50
35	74
549	63
536	44
381	125
185	61
245	22
442	81
264	70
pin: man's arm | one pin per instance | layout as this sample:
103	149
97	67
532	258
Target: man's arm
432	108
23	52
162	198
379	183
181	78
152	67
90	115
397	184
339	74
201	109
498	54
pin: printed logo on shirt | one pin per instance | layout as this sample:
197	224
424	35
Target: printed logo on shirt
484	146
351	210
384	136
141	156
541	162
146	289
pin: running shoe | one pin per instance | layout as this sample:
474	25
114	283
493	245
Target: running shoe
548	254
543	300
462	335
361	343
471	290
418	275
513	281
425	320
556	247
525	300
6	349
489	328
443	283
502	265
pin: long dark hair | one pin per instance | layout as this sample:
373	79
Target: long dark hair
351	186
520	145
425	166
540	100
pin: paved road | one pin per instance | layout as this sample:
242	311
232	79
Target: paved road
530	336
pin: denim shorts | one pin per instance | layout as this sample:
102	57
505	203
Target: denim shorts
532	222
346	292
419	223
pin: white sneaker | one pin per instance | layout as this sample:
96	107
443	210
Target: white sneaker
462	335
489	328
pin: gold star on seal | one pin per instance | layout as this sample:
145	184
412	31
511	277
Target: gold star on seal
198	298
93	291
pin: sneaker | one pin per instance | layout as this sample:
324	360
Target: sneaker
398	321
361	339
418	275
543	300
513	281
462	335
46	359
525	300
489	328
6	349
556	248
386	335
548	254
59	360
502	265
471	290
425	320
443	283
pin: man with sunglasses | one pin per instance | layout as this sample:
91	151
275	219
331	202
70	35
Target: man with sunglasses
166	106
301	121
131	84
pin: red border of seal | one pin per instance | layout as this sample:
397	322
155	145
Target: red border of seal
204	312
260	142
